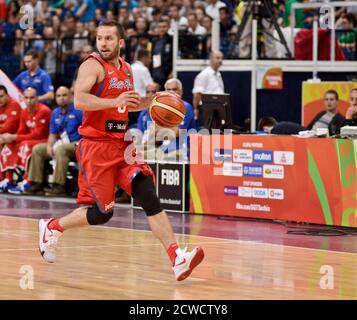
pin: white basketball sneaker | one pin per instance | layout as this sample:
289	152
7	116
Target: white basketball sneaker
186	261
48	240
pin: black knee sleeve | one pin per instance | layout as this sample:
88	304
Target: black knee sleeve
95	216
143	191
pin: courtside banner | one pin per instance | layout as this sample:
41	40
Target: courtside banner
273	177
313	94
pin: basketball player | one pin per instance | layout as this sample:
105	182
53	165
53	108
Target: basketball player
104	91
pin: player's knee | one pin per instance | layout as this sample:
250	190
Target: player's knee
143	191
95	216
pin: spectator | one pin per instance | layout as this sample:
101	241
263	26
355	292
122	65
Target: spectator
270	125
35	77
209	80
124	18
347	38
193	26
86	51
330	119
33	129
157	17
213	8
85	10
81	38
175	18
299	14
227	26
162	54
60	146
141	73
141	25
99	16
207	23
200	13
49	51
351	113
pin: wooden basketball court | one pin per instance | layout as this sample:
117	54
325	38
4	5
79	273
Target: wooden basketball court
117	263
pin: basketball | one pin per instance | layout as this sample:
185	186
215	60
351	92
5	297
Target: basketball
167	109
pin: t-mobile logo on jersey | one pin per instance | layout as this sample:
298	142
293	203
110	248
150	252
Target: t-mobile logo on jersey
114	83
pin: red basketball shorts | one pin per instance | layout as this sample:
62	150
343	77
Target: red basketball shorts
102	167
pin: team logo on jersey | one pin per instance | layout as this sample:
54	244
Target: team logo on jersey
116	126
114	83
31	124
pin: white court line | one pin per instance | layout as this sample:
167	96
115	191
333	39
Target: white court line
109	246
221	239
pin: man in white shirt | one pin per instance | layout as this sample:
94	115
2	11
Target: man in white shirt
181	21
141	73
212	9
209	80
194	27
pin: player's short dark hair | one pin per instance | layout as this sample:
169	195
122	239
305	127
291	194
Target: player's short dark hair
113	23
266	122
3	88
332	92
32	53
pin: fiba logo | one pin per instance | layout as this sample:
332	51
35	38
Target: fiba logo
170	177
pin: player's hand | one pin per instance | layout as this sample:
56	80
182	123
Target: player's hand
351	112
130	99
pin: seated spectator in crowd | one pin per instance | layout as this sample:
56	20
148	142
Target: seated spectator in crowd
176	18
209	80
330	119
213	8
194	27
270	125
60	146
141	72
86	51
81	38
162	54
35	77
33	129
84	10
48	53
347	39
351	113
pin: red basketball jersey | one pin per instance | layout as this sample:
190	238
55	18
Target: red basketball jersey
108	123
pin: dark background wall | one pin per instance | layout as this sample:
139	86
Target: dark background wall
281	104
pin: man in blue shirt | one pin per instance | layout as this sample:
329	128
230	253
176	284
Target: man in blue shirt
85	10
60	147
35	77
